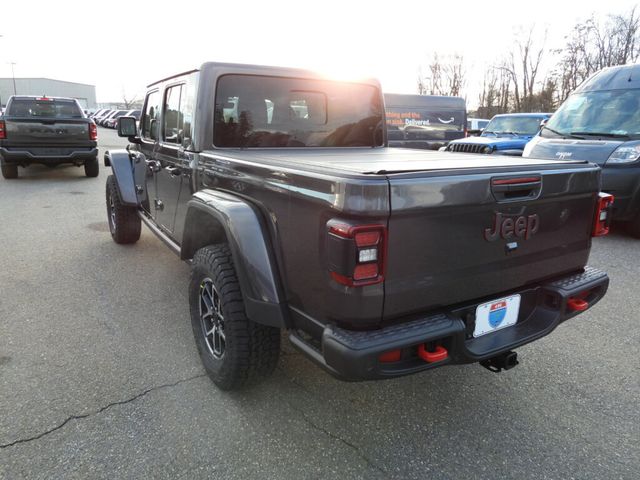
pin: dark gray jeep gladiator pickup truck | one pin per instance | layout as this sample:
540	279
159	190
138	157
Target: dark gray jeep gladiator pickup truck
278	187
46	130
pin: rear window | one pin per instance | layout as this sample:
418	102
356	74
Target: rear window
255	111
45	108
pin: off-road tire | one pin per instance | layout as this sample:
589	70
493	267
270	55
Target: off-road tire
9	171
124	223
92	167
251	350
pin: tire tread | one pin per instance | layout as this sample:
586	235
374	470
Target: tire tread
9	171
252	349
128	224
92	167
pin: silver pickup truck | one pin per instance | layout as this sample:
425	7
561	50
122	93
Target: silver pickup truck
46	130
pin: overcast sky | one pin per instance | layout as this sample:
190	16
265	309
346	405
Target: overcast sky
124	45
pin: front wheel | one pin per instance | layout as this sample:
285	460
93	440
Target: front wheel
124	223
234	350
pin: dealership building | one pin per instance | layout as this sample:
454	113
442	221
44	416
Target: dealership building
85	94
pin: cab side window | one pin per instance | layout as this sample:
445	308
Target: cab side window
173	115
150	118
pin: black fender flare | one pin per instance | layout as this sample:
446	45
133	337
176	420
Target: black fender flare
122	167
250	245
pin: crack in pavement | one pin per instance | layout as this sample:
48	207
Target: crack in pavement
100	410
328	433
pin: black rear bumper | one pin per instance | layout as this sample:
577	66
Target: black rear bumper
52	156
355	355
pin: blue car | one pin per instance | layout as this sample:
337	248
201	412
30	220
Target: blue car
506	134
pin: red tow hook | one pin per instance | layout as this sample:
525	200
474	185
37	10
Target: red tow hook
577	304
440	353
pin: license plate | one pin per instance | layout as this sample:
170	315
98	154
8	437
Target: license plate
495	315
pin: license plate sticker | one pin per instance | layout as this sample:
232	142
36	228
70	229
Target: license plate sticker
495	315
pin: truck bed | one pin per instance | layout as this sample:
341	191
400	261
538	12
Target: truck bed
436	207
356	161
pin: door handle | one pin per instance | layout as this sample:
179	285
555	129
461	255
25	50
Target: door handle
153	165
173	171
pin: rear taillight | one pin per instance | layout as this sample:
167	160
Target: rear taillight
93	131
602	218
3	131
356	253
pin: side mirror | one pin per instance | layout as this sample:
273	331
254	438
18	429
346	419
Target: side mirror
127	128
544	122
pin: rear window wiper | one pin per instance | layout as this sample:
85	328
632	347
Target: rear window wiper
563	135
603	134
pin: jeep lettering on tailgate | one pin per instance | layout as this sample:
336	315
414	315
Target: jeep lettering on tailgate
508	226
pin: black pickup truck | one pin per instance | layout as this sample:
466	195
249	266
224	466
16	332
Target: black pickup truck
278	187
46	130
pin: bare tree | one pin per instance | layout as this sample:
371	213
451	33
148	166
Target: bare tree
593	45
423	87
446	77
128	102
496	93
522	66
434	85
455	75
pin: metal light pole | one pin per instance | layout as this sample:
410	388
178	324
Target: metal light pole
13	75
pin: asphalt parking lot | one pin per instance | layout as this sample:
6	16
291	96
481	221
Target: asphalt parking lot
100	377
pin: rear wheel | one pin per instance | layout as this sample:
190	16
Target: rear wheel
9	171
124	223
234	350
92	167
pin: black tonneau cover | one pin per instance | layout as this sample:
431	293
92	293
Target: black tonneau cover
383	160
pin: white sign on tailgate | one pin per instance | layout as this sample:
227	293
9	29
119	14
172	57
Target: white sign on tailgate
497	314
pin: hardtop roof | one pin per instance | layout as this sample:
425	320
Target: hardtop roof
241	68
622	77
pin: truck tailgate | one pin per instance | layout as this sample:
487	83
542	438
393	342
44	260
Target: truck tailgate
459	236
29	131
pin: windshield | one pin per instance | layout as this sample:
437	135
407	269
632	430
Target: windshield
254	111
517	125
610	112
49	108
422	123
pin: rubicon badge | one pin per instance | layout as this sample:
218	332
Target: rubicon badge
507	227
